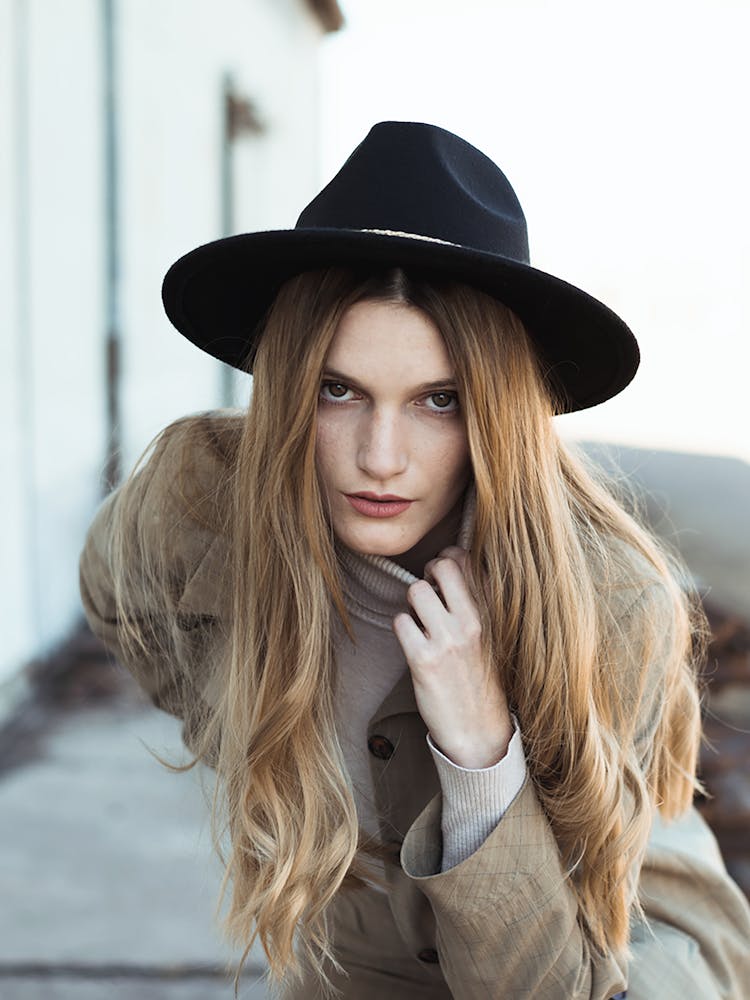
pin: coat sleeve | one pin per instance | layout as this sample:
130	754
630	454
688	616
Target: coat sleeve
152	539
507	921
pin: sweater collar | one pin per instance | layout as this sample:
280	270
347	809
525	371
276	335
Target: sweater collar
375	586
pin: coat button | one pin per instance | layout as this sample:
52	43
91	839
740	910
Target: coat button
428	955
380	747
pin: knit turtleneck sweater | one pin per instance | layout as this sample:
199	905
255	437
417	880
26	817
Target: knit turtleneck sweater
375	587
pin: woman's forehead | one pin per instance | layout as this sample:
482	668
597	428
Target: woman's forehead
387	337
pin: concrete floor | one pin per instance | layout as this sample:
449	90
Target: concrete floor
107	876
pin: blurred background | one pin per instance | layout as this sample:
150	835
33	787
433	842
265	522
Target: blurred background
131	132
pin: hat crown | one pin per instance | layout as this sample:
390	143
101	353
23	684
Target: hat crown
408	177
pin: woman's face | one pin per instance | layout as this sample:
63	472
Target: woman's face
382	429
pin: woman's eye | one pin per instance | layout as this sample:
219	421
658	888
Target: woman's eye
333	388
445	399
339	392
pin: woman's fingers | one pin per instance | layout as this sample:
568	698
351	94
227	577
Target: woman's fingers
453	620
449	577
453	552
427	605
411	637
459	697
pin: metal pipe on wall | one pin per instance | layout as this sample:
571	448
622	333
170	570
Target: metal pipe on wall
113	337
239	118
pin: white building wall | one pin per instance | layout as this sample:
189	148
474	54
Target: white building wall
66	392
51	391
172	56
174	61
14	539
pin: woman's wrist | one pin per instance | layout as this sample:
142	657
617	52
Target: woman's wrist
483	753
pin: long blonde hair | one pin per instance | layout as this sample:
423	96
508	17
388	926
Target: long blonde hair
610	726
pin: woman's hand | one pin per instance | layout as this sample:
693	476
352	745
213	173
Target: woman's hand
460	700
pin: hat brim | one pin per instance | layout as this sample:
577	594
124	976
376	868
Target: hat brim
217	294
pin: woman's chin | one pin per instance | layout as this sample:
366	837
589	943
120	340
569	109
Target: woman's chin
379	541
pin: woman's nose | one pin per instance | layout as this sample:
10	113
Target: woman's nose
382	448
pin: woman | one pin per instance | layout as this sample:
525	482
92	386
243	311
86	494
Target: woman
447	683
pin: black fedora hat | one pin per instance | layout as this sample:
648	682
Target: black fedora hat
410	195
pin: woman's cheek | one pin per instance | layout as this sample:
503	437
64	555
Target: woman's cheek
329	440
447	448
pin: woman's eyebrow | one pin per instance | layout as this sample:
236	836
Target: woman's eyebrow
449	382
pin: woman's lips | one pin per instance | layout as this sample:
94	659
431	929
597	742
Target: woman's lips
378	508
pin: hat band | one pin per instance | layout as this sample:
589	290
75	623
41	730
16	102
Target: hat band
411	236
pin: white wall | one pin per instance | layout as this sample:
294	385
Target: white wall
171	84
171	59
51	392
14	539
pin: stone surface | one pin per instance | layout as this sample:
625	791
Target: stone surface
107	862
122	988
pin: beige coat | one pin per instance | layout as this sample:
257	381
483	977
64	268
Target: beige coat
503	922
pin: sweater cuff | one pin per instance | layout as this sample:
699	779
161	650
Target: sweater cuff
475	799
